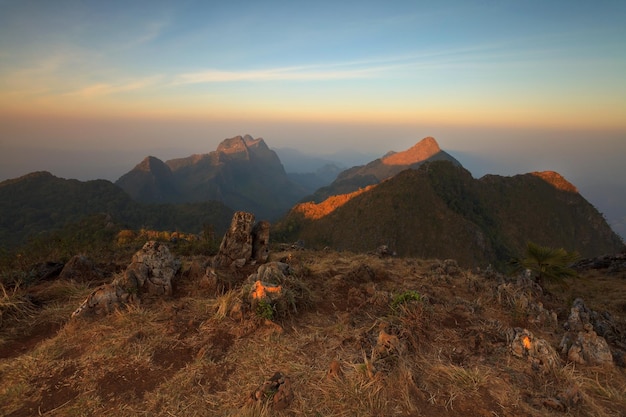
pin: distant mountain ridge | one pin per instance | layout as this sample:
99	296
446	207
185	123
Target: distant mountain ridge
40	202
426	150
243	173
440	211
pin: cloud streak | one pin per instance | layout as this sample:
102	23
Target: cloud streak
102	89
312	73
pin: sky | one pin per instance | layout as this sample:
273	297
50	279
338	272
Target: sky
89	88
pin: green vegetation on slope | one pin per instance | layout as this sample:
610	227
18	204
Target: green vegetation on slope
40	203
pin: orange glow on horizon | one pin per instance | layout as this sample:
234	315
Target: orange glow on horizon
197	108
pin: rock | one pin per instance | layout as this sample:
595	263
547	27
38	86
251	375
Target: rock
383	251
151	271
149	274
582	344
587	348
446	267
104	300
237	242
244	242
273	272
276	391
524	344
261	242
80	269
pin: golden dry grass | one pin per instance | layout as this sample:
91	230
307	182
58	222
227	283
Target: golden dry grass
446	354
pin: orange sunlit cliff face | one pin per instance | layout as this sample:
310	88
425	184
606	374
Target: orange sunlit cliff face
421	151
556	180
314	211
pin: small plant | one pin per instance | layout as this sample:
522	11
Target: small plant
404	298
546	264
265	310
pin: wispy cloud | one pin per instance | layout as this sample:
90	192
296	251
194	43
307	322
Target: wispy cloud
305	73
102	89
485	54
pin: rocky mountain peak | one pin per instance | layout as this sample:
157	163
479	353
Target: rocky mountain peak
556	180
421	151
149	164
240	144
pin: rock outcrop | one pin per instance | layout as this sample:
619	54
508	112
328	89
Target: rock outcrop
582	344
244	242
149	275
523	344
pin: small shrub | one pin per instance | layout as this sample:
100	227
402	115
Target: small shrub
405	297
265	310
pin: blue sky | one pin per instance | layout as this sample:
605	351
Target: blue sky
87	88
556	64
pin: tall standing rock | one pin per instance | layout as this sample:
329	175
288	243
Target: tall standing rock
236	246
243	242
261	242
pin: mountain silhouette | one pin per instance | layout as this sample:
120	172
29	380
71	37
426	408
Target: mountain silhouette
243	173
41	202
380	169
440	211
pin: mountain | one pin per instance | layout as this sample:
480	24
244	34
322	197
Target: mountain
40	202
392	163
243	173
151	181
441	211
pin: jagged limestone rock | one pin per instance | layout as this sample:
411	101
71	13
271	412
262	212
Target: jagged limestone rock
523	344
586	348
582	344
104	300
151	271
236	246
149	274
261	242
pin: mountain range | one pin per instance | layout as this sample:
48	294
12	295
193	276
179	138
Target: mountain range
243	173
440	211
426	150
420	202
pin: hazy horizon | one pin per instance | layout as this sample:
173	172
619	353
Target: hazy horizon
89	88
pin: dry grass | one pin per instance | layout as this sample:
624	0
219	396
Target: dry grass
444	354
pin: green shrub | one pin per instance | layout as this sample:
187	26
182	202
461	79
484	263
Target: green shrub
405	297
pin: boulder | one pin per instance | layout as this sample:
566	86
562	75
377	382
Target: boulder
104	300
151	271
149	274
267	289
523	344
586	348
584	342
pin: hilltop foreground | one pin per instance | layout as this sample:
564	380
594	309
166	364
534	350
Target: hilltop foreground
362	336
